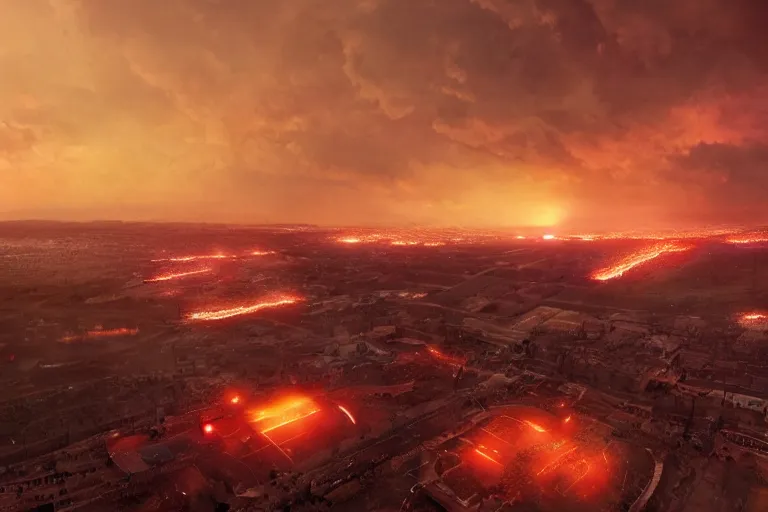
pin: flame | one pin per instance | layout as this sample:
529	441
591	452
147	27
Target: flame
548	237
221	314
637	258
349	414
567	419
177	275
753	320
350	240
235	400
284	412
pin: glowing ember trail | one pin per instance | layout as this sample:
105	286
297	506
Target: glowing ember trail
221	314
177	275
487	457
198	257
453	361
261	253
567	419
101	333
637	258
106	333
548	237
748	239
349	414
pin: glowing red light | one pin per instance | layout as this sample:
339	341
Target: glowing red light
567	419
235	400
207	428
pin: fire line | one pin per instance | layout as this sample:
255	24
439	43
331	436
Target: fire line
221	314
637	258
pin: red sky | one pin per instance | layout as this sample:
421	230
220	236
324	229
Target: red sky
590	113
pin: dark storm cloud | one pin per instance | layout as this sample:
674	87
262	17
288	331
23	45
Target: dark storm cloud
450	111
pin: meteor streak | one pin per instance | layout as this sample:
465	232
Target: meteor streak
349	414
535	427
177	275
221	314
487	457
637	258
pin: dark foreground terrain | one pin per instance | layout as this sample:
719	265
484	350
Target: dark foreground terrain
177	367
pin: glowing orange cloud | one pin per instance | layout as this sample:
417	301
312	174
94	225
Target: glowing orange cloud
637	258
177	275
221	314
